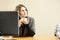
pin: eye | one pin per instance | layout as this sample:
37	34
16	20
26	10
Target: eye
22	10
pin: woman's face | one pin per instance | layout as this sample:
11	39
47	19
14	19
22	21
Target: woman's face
23	12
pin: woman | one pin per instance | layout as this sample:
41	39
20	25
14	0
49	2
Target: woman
26	24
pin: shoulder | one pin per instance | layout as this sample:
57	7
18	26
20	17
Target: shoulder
30	18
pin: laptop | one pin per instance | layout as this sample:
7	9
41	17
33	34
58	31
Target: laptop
9	23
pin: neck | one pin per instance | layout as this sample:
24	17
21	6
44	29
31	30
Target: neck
22	17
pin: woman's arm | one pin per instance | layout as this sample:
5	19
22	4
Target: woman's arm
32	24
31	27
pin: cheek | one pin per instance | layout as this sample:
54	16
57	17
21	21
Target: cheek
26	12
22	13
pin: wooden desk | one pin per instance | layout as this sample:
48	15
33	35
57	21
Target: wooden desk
38	38
33	38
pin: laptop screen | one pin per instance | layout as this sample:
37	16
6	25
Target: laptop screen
8	23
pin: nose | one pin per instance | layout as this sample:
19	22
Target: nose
25	11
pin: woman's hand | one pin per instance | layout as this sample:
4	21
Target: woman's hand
25	22
20	22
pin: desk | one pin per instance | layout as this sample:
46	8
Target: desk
33	38
38	38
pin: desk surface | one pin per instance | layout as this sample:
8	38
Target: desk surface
38	38
33	38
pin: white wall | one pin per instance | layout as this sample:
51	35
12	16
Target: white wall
45	12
